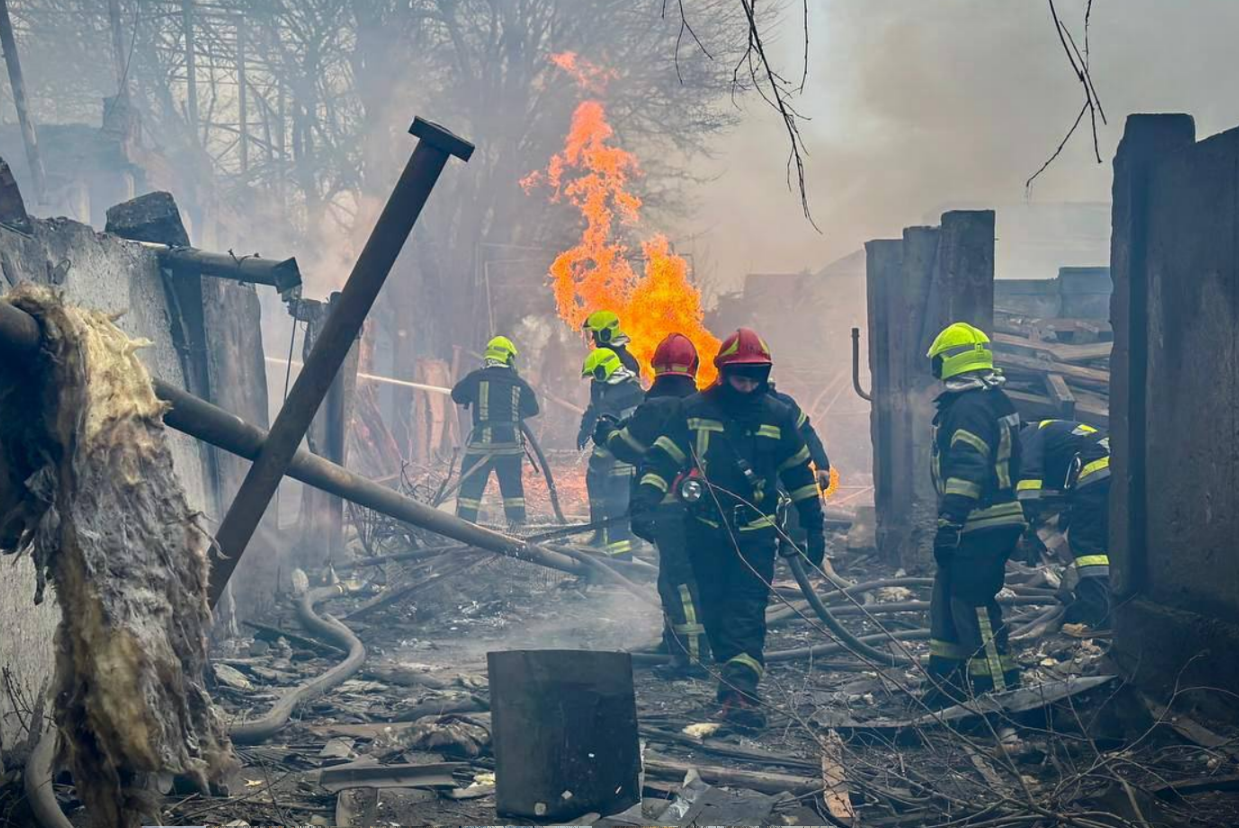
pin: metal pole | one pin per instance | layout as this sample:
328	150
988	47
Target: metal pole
856	366
9	43
404	206
283	275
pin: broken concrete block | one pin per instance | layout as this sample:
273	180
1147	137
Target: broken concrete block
153	217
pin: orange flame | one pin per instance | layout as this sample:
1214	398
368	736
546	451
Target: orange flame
596	273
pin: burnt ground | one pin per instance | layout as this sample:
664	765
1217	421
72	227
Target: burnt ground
1100	757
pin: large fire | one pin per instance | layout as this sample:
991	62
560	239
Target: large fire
597	273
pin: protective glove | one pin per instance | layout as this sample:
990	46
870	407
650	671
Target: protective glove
603	430
582	440
946	542
823	479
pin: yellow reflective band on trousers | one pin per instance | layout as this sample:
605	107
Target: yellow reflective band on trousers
804	493
673	451
618	547
797	459
514	501
763	522
991	649
1029	489
979	666
1093	560
748	661
947	649
966	488
655	480
690	625
1004	514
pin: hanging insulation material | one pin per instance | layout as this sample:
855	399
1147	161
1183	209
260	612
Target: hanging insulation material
87	486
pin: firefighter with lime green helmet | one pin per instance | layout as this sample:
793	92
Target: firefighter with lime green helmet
500	400
976	466
614	394
604	331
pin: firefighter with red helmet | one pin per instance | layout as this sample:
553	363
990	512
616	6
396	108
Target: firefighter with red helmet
726	455
675	377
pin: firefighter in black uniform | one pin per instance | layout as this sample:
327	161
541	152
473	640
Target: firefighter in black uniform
1065	468
726	455
675	371
614	394
976	464
500	400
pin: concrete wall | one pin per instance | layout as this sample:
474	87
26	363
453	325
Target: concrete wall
1174	393
917	286
111	275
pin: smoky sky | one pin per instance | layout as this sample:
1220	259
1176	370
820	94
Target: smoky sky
919	105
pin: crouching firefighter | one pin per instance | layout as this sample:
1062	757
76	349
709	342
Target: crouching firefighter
725	455
614	394
675	377
499	400
1065	468
975	464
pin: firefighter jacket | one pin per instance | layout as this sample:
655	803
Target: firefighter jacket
817	451
499	399
721	437
976	456
633	438
1060	455
612	400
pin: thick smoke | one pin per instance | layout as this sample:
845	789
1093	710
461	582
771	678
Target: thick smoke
917	107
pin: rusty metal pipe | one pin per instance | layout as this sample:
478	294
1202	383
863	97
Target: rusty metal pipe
856	366
283	275
435	147
19	337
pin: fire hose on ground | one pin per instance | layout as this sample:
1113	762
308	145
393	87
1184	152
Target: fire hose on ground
328	629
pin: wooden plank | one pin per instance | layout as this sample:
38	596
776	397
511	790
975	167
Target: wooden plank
1079	373
835	796
1060	351
1057	388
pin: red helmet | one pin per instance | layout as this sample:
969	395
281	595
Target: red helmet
744	347
675	356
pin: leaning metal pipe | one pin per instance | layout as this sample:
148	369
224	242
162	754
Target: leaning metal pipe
856	366
339	331
20	335
843	633
259	730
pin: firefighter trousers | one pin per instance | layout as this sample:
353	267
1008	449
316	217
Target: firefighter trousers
1089	536
608	482
683	630
734	571
968	639
475	472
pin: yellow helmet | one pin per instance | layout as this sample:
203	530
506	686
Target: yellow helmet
501	348
601	364
959	348
604	326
